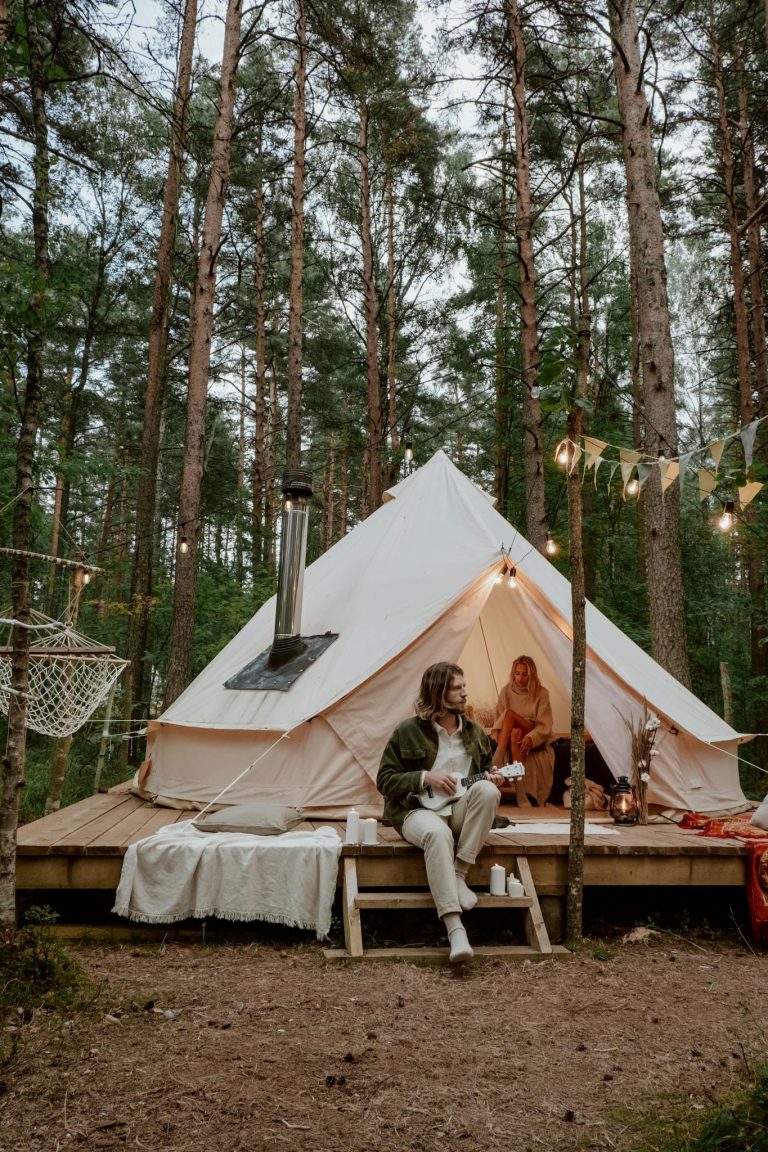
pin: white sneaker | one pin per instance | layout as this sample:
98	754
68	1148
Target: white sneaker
461	949
467	898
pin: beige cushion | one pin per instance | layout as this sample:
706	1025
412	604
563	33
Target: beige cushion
760	815
258	819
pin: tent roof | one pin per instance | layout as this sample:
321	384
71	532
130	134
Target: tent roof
386	583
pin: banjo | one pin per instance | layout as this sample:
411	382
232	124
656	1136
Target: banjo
435	800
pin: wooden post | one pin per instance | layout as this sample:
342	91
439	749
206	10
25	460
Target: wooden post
104	738
62	746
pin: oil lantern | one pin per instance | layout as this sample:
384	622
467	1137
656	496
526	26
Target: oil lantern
623	802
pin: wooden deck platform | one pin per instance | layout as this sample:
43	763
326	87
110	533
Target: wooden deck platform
82	846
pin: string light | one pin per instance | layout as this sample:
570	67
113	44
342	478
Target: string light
86	577
726	520
183	546
408	451
633	487
508	573
550	546
561	455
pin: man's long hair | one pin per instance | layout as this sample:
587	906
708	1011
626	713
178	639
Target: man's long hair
534	684
434	685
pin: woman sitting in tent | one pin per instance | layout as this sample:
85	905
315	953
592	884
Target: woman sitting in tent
523	731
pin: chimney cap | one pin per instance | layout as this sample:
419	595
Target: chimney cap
297	482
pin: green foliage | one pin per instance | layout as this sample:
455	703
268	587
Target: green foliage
35	970
739	1125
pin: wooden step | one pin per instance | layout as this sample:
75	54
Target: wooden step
384	900
519	952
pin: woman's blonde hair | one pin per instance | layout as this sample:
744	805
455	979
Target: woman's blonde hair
434	685
534	684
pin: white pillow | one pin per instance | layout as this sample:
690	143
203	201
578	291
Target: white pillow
257	819
760	815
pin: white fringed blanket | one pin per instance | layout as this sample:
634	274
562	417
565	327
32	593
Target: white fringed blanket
181	872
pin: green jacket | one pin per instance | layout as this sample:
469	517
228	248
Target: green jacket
412	750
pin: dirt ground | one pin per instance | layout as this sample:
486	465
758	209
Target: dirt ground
269	1046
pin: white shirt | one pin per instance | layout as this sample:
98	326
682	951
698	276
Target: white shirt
451	756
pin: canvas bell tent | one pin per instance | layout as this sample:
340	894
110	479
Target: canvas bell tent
413	584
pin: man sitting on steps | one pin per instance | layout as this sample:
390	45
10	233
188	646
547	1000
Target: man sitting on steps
428	754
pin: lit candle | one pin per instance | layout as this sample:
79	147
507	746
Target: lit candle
369	832
498	880
353	827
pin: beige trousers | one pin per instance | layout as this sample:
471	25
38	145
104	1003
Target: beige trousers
458	835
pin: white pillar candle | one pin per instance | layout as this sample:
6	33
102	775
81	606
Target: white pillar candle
514	886
369	832
498	876
353	827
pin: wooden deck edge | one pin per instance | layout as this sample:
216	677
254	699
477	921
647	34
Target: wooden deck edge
517	952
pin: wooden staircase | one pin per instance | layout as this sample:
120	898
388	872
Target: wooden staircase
355	900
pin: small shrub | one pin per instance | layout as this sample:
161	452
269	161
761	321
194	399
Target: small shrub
35	969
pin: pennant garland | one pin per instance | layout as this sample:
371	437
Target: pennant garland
629	458
670	470
631	461
707	483
748	493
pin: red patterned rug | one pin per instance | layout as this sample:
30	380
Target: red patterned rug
739	828
757	891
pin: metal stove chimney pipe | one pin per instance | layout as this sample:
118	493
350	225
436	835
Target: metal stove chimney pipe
297	493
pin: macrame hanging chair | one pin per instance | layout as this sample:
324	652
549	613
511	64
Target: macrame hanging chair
70	675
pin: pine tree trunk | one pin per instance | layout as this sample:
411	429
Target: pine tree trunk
295	298
665	582
394	439
58	497
259	473
240	521
13	761
330	492
501	469
754	250
741	320
575	902
344	473
638	407
536	517
270	471
109	509
755	564
62	746
182	623
141	573
370	304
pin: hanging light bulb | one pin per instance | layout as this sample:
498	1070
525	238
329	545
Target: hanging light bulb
561	456
408	451
726	520
633	487
183	546
512	578
550	546
500	577
86	577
